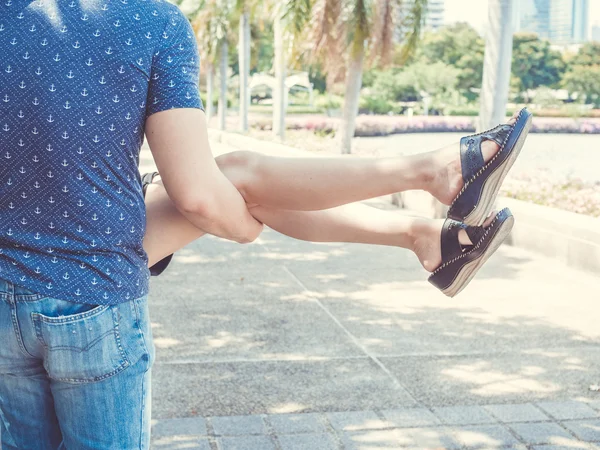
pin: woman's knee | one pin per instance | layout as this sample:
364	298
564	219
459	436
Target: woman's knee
241	168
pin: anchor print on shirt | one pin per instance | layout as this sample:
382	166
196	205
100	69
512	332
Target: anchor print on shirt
71	106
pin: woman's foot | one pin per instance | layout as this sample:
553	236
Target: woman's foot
447	180
428	243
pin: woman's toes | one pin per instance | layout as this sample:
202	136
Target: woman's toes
490	219
514	117
463	237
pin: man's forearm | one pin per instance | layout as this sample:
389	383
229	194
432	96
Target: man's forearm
224	213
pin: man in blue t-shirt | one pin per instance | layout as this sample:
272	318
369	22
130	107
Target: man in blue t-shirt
81	81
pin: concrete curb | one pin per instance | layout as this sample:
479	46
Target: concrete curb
573	239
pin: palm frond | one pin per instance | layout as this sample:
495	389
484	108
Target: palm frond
412	24
212	24
297	14
359	16
328	35
384	27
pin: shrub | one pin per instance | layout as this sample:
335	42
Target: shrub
329	101
375	103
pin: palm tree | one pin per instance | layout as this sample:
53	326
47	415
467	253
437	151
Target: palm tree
497	64
244	9
346	34
279	65
211	20
289	18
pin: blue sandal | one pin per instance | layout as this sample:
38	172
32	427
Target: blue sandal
483	180
461	263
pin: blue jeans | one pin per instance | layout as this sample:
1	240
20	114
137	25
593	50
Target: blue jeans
72	375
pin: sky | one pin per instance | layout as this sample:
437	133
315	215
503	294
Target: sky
475	12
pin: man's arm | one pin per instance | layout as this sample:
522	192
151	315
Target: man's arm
178	139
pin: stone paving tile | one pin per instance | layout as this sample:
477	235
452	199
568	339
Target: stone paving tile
573	446
321	441
411	417
569	410
297	423
357	420
541	433
484	436
185	426
246	443
180	442
464	415
429	438
517	413
238	425
372	440
595	404
586	430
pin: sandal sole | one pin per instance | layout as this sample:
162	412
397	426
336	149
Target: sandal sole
492	185
488	246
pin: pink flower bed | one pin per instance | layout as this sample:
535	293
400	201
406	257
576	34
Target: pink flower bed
544	189
368	125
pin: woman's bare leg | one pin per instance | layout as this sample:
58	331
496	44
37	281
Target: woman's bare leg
280	189
314	183
167	230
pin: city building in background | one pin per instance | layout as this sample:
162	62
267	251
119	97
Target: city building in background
435	15
433	21
596	32
563	22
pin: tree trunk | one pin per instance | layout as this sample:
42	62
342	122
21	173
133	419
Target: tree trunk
244	62
496	65
223	87
210	88
353	85
279	91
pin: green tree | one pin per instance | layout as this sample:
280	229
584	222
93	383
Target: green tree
393	85
535	64
435	80
243	11
583	77
211	20
460	46
584	81
588	55
349	34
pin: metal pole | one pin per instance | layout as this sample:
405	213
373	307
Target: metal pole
497	64
279	91
223	87
244	59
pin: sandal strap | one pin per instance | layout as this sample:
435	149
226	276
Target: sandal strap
471	156
475	233
148	177
451	247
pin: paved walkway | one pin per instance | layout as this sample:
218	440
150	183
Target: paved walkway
291	345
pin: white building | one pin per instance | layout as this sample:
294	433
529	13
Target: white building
596	32
434	18
563	22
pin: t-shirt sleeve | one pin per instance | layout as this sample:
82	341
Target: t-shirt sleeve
175	69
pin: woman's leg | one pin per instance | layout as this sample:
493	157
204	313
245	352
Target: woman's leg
276	185
308	184
167	230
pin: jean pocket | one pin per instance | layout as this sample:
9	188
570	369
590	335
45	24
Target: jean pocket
82	347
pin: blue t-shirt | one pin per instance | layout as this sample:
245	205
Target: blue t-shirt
78	78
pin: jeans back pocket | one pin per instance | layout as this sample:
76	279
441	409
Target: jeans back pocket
82	347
